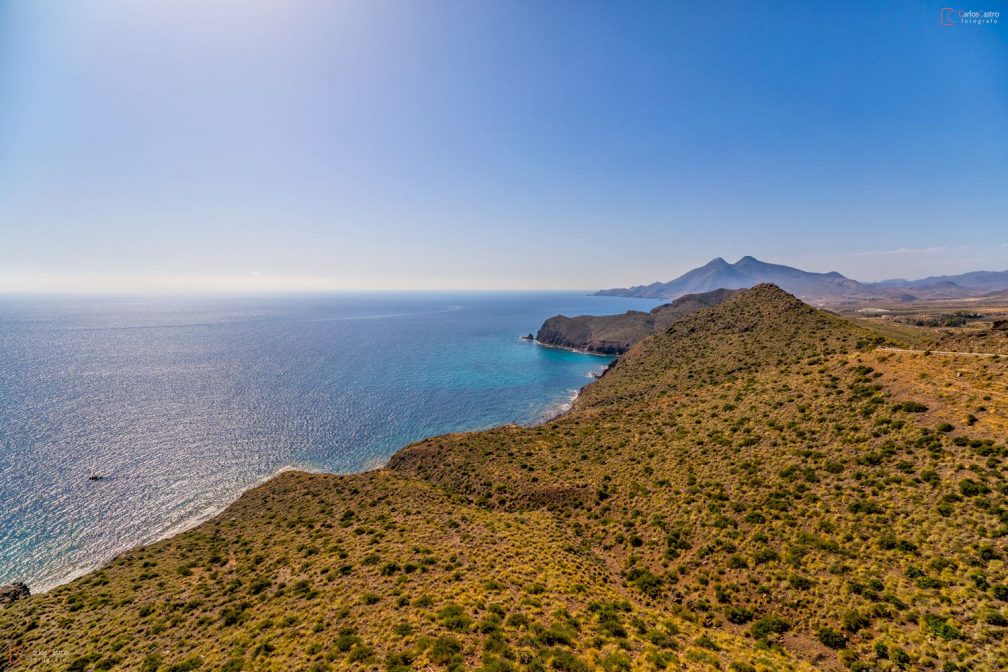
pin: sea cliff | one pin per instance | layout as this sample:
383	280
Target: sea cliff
615	334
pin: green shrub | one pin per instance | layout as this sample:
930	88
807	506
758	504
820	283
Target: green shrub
234	615
705	642
941	628
616	662
186	665
970	488
832	638
495	664
78	664
346	640
399	662
445	650
737	562
453	617
565	661
557	633
854	620
900	657
769	625
738	615
361	654
609	621
645	581
799	582
864	506
233	665
996	618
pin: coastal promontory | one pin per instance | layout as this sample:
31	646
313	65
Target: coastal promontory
614	334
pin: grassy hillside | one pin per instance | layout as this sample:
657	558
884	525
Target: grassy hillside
760	487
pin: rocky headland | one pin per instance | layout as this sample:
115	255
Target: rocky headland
614	334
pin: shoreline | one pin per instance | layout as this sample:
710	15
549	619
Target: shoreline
374	464
562	410
189	523
570	349
569	406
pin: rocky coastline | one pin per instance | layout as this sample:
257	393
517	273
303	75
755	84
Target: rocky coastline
615	334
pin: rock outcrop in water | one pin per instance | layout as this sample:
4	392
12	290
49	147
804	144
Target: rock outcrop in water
13	592
614	334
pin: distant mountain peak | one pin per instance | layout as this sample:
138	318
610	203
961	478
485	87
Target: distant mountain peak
744	273
832	286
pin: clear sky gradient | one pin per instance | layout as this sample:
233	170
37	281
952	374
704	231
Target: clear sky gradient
289	145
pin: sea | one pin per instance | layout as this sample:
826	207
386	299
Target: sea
177	405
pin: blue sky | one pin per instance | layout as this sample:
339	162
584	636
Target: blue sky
192	146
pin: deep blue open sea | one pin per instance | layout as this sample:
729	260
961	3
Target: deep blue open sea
181	404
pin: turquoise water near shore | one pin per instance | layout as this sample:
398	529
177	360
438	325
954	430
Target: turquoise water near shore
181	404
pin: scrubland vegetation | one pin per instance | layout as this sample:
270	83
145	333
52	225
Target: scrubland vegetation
760	487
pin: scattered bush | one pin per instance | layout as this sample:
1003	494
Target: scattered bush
453	617
832	638
769	625
361	654
854	620
645	581
939	627
738	615
445	650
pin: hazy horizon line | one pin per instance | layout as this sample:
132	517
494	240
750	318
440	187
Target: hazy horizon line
258	284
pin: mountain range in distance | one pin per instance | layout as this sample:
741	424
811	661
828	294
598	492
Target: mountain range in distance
829	287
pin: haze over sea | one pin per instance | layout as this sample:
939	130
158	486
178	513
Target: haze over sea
182	404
